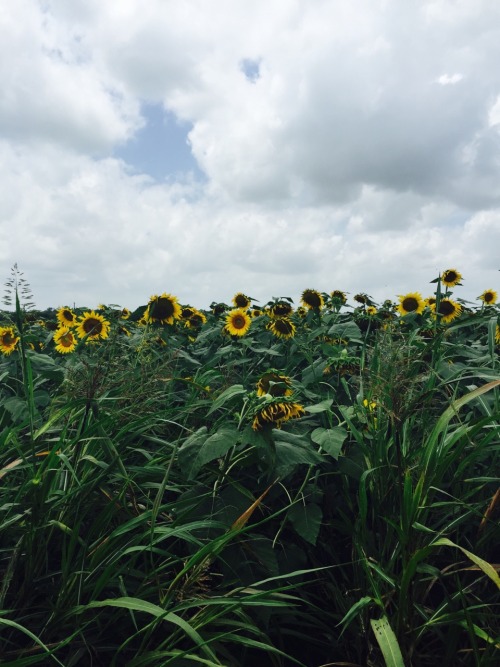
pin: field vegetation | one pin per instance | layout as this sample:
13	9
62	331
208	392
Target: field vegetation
310	484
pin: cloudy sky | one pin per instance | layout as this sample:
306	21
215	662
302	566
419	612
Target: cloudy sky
205	147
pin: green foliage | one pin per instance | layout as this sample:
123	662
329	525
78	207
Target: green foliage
157	509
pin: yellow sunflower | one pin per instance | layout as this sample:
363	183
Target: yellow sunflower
187	312
66	317
430	301
280	309
497	334
282	327
371	310
196	320
125	313
274	384
65	340
311	298
93	325
410	303
451	277
241	300
162	309
256	312
338	297
448	310
274	414
8	340
488	297
238	322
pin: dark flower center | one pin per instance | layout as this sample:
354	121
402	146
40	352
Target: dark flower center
241	301
312	298
488	297
238	322
284	326
446	308
450	276
162	309
410	304
92	326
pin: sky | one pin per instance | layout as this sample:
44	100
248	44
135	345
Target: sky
206	147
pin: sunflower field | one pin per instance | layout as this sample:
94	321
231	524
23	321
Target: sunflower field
310	484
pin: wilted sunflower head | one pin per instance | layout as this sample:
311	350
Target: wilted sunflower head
311	298
8	340
411	303
362	298
164	309
187	312
218	309
241	300
338	296
281	309
66	317
275	413
274	384
237	322
282	327
93	326
489	297
65	340
448	310
451	277
196	320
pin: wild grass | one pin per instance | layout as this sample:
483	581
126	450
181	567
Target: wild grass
144	520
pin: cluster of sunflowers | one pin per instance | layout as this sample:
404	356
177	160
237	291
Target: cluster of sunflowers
279	316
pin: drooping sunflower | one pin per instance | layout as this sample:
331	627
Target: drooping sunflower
238	322
338	296
187	312
448	310
65	340
488	297
282	327
8	340
274	384
241	300
274	414
301	311
411	303
362	298
451	277
196	320
125	313
163	309
280	309
218	308
93	325
66	317
311	298
430	301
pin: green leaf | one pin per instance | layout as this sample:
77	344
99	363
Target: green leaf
388	643
306	519
323	406
346	330
290	453
227	395
486	567
330	439
199	450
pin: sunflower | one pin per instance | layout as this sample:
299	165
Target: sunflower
241	300
65	340
451	277
497	334
66	317
362	298
311	298
488	297
8	340
280	309
256	312
125	313
275	414
162	309
411	303
274	384
93	326
187	312
448	310
238	322
282	327
301	311
430	301
371	310
338	297
218	308
196	320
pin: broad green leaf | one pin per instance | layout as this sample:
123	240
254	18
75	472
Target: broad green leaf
388	643
227	395
306	519
322	406
345	330
330	439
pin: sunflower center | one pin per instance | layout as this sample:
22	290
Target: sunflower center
238	322
66	340
312	298
68	315
92	326
410	304
163	309
7	338
284	327
488	297
446	308
450	276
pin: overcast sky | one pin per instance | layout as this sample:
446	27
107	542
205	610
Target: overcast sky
204	147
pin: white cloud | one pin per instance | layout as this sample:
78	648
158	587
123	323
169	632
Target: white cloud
341	165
